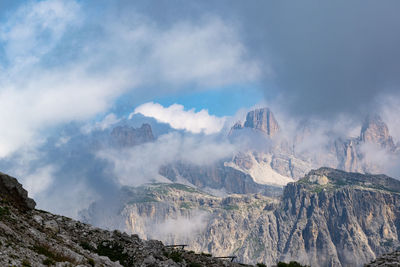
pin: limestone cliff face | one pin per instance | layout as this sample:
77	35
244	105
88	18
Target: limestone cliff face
262	119
349	155
328	218
217	177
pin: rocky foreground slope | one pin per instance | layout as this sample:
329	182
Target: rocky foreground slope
328	218
30	237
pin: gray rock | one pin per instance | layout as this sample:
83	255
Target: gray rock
11	190
262	119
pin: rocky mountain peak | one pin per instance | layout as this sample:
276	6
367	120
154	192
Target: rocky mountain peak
12	191
374	130
262	119
125	136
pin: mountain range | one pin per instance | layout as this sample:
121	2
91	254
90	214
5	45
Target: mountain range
265	204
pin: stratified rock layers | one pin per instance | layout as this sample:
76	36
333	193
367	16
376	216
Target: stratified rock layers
328	218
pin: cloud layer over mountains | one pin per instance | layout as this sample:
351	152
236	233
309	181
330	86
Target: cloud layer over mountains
65	65
61	62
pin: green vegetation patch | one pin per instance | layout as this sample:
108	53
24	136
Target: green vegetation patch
48	262
26	263
176	256
183	187
115	252
52	255
4	211
206	254
91	262
143	199
231	207
87	246
291	264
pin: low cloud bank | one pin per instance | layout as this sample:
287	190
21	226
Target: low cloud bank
140	164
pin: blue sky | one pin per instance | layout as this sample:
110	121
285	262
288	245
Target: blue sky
220	101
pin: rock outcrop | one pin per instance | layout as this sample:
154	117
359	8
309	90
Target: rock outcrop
30	237
12	192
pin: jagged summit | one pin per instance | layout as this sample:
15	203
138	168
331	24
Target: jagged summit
125	136
261	119
374	130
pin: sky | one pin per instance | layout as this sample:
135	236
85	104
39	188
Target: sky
75	66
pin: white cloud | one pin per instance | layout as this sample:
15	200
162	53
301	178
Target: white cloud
38	181
36	28
140	164
180	228
210	54
63	65
390	110
105	123
178	118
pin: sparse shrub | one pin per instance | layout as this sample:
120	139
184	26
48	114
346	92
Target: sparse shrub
291	264
4	211
26	263
48	262
87	246
91	262
51	254
115	252
44	250
206	254
195	264
176	256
